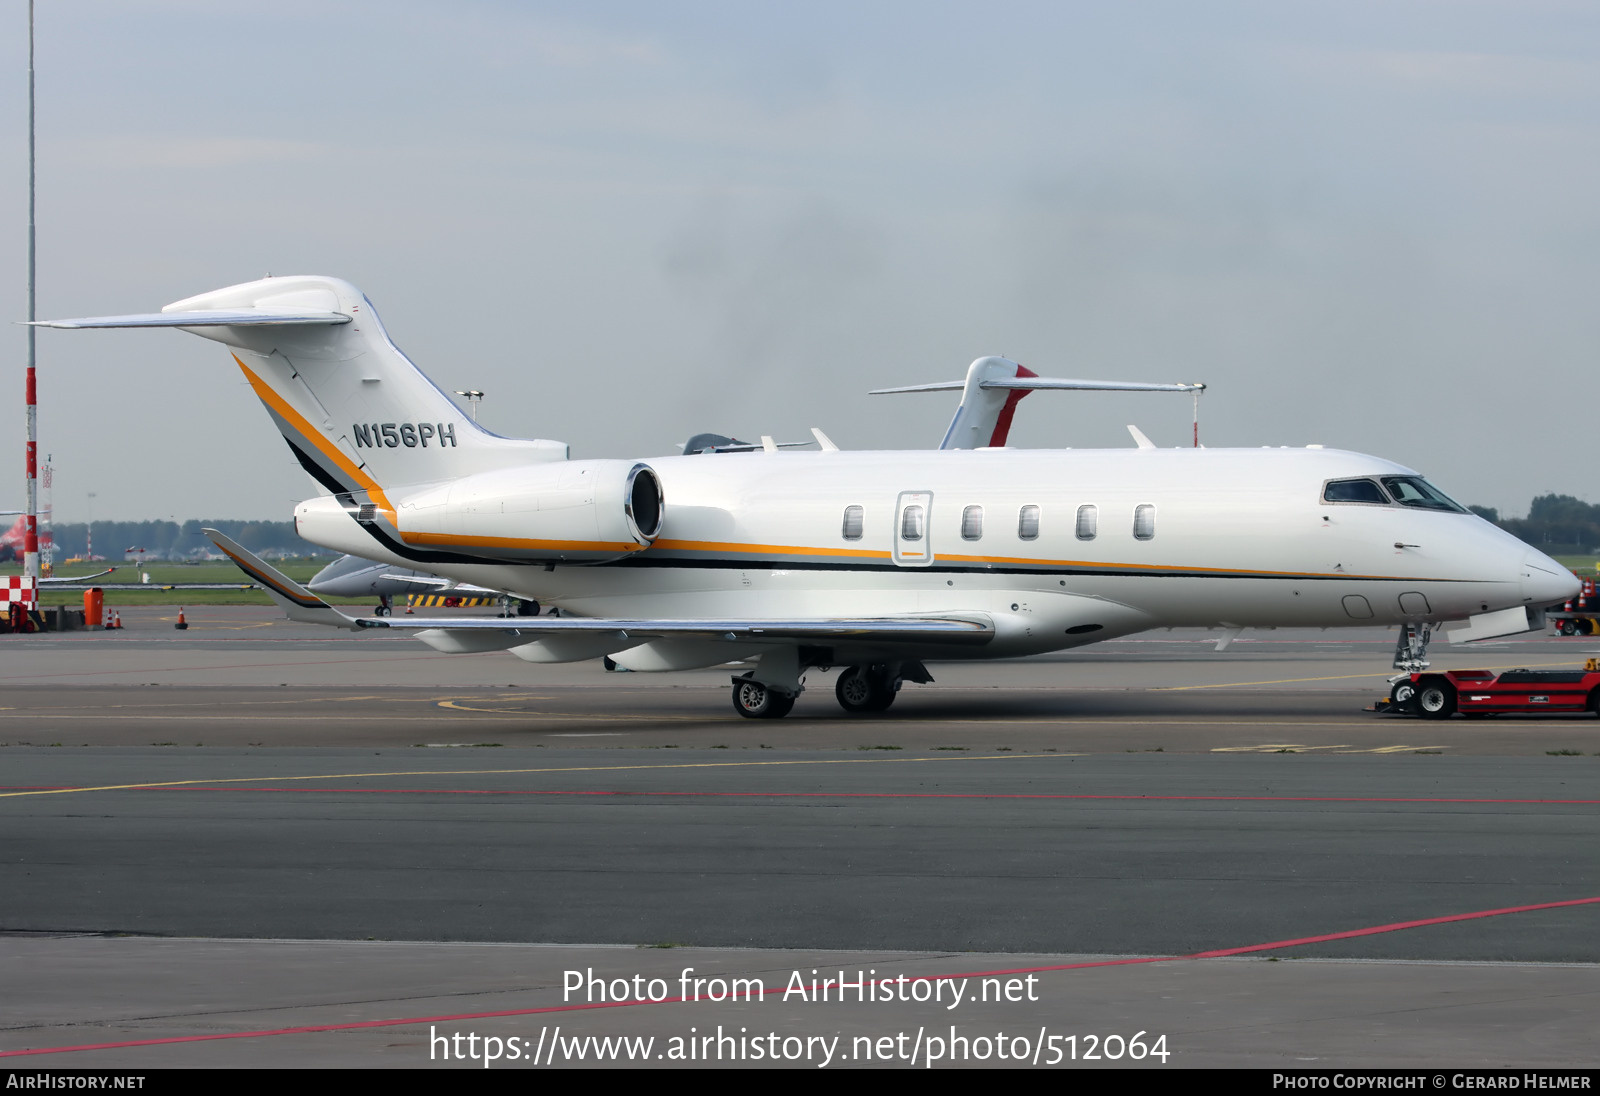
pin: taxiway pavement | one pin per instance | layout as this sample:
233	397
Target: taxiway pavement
170	798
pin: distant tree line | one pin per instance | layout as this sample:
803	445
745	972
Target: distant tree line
1556	524
181	540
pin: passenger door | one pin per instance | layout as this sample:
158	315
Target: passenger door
913	528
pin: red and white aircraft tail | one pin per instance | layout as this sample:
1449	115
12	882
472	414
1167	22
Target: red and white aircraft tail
992	390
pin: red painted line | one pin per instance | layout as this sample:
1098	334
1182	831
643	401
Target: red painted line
1219	953
873	795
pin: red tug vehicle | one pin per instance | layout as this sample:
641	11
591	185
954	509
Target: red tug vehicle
1438	695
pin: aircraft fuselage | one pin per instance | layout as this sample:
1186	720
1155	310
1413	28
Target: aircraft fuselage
1176	537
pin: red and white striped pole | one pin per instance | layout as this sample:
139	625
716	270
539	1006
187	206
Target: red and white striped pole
30	536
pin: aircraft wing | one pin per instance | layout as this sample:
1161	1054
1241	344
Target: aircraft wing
74	578
243	317
444	585
302	605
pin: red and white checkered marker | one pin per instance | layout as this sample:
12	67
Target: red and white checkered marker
19	588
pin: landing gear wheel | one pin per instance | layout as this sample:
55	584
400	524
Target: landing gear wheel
754	700
860	689
1436	699
382	610
1402	693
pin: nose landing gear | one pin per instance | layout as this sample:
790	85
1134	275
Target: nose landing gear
1411	648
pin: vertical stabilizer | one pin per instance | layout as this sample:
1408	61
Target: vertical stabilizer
360	418
984	416
357	413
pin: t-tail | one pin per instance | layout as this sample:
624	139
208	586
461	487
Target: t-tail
359	416
993	388
409	479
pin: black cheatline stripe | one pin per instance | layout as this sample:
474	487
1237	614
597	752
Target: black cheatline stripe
316	469
416	555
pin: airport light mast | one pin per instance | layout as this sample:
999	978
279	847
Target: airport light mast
474	397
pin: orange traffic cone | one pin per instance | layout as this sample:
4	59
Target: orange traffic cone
182	624
116	620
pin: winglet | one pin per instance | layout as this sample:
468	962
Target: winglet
296	601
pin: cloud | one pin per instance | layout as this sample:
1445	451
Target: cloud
187	153
1457	72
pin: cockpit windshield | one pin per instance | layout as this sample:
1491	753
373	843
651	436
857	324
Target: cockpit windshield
1354	490
1404	490
1418	492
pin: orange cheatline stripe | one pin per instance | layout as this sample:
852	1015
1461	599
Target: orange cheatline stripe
774	549
517	542
1170	567
311	434
795	550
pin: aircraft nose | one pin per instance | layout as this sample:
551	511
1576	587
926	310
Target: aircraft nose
1544	581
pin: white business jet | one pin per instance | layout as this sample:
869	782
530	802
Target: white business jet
872	561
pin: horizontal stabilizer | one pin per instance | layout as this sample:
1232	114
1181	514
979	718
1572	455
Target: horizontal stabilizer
250	317
1029	384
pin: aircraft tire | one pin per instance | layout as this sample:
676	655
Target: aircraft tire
1436	700
859	689
754	700
382	610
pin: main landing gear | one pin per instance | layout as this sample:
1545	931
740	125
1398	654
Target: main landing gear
769	691
753	700
866	688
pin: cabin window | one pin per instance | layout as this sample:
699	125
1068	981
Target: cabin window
852	523
972	523
1354	490
1088	522
911	523
1144	521
1028	523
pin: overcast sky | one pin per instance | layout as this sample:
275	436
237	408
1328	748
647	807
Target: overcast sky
1365	225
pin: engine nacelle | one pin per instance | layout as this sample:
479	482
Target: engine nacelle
588	511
